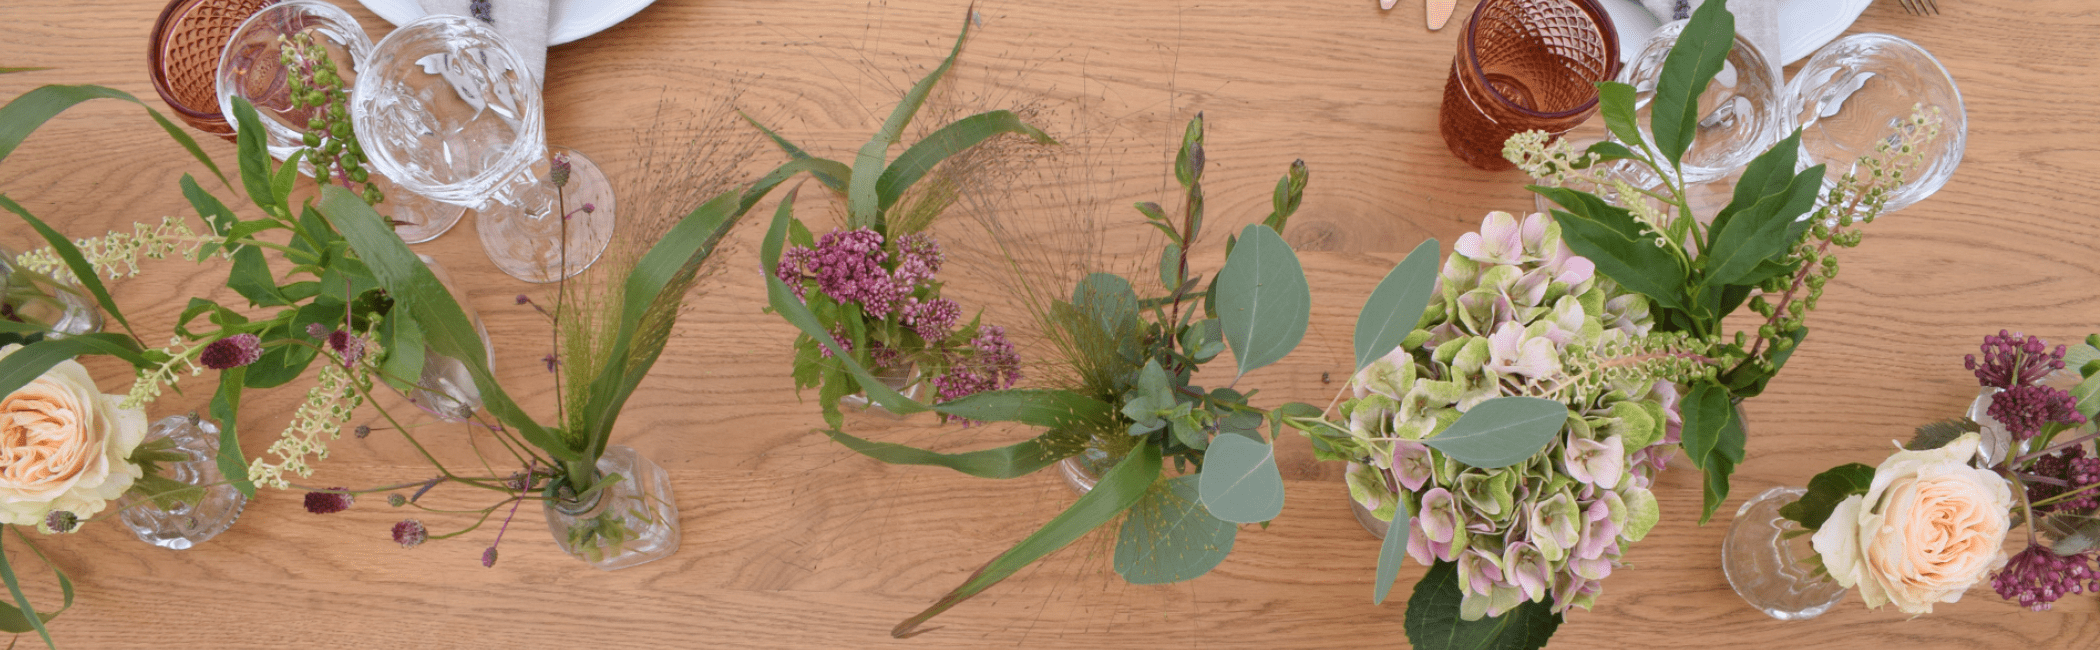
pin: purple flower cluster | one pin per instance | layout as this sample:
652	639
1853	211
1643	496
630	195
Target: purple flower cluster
2075	470
2037	577
2012	359
990	363
2024	410
931	319
849	266
231	352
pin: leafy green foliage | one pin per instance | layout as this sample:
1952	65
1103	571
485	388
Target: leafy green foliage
1169	537
1263	299
24	617
1938	434
1826	491
1622	248
1433	621
1396	306
1240	482
1713	439
1391	551
1502	431
25	114
1701	50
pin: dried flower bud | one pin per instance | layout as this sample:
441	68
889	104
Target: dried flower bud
410	533
363	430
396	500
231	352
558	171
61	521
488	558
332	501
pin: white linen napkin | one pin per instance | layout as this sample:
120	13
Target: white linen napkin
1756	21
522	22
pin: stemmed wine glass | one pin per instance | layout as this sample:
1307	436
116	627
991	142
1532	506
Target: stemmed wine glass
250	68
447	109
1856	93
1740	113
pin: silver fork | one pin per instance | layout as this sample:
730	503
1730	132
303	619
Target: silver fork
1920	7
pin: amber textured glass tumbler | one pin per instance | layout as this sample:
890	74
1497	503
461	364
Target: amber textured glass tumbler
1524	65
184	56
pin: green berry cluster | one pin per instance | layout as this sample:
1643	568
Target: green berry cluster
317	86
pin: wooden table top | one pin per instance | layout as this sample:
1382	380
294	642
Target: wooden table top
793	541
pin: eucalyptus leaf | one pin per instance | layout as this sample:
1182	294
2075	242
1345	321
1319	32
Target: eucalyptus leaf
1826	491
1264	301
1702	49
1111	301
1169	537
1130	480
1396	306
1240	482
1501	432
1433	621
1391	552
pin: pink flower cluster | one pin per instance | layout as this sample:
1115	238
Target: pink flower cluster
850	266
990	363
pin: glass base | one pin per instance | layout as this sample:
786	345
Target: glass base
1765	566
1371	523
186	524
633	521
560	244
417	218
446	388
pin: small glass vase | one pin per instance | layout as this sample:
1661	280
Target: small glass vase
186	524
633	521
59	308
903	378
1082	471
446	388
1763	558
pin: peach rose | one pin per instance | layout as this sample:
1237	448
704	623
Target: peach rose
64	445
1928	528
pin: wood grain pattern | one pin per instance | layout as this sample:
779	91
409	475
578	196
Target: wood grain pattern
791	541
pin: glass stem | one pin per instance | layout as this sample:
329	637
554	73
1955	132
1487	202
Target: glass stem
526	193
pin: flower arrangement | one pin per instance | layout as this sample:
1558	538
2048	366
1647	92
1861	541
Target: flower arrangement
1931	521
1520	329
1770	249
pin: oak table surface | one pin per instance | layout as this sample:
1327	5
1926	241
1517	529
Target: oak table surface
792	541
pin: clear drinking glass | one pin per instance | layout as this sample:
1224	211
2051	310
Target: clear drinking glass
447	109
1763	556
446	388
187	524
1855	94
250	68
1740	113
630	522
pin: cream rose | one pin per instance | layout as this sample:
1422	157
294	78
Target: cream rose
64	445
1929	527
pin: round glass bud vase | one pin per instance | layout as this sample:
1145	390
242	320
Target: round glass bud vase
59	308
902	377
180	524
1082	471
1765	557
632	521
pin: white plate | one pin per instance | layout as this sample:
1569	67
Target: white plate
567	20
1804	25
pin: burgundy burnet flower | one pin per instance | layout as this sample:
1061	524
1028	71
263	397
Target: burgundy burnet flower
2036	577
488	558
332	501
61	521
231	352
2075	470
346	346
410	533
2013	359
990	363
2024	410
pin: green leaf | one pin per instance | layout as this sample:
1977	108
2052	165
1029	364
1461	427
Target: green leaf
1607	151
1825	491
1621	247
31	361
1702	48
1433	621
1717	469
1121	487
1391	552
1240	482
27	611
952	139
76	262
1939	434
287	174
1761	234
25	114
1502	431
1264	301
254	157
1396	306
1768	174
226	408
404	353
251	278
1289	194
1707	416
1170	266
1615	101
446	328
2087	394
1041	408
831	173
1169	537
863	198
1014	460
